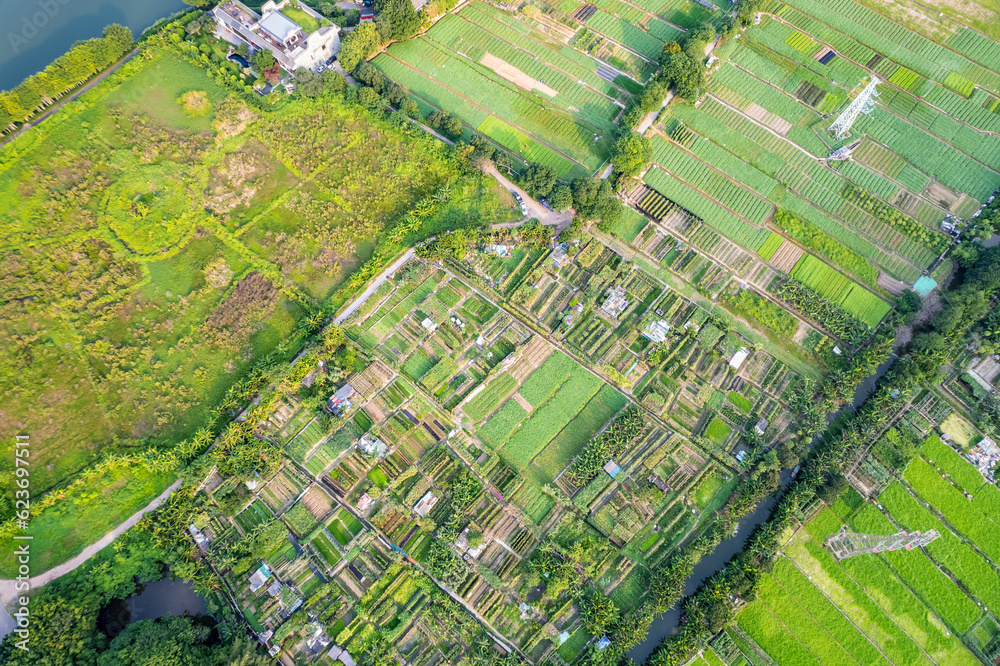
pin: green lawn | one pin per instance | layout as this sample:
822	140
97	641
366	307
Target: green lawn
308	24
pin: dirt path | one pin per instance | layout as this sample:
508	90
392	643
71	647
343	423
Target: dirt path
547	217
8	591
69	98
378	282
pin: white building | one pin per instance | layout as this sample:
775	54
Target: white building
273	30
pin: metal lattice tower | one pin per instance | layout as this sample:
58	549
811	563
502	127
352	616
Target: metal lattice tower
850	544
864	103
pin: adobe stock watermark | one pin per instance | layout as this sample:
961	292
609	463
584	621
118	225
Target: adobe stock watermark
30	24
22	550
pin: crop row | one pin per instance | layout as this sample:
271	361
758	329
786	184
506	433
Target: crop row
720	219
546	421
838	289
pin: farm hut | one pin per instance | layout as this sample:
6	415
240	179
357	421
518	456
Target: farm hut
340	401
612	468
259	577
761	427
657	331
426	503
365	502
616	303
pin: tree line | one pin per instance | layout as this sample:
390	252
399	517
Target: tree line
75	66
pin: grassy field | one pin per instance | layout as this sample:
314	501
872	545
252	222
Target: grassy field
154	256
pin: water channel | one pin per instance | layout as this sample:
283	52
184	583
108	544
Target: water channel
665	623
37	32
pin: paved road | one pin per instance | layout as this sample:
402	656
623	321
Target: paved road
379	281
8	591
69	98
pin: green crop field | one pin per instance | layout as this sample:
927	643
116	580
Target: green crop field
814	609
836	288
546	421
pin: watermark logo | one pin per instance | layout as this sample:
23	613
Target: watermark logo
22	549
45	11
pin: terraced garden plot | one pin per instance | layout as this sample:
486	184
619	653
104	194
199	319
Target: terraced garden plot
720	219
890	616
466	33
951	463
564	447
252	516
919	573
928	483
949	550
629	35
688	168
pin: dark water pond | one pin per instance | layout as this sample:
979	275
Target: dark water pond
161	598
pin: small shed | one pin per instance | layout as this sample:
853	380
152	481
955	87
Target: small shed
426	503
259	577
737	360
612	468
761	427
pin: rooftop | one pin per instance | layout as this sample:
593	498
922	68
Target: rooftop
279	26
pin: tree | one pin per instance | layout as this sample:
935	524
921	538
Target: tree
176	641
272	74
334	81
309	83
484	147
401	16
367	74
561	198
452	126
787	456
369	99
261	60
684	74
394	93
631	153
410	108
538	180
835	486
909	304
598	612
358	45
119	39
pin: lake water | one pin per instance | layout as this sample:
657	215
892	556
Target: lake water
36	32
167	596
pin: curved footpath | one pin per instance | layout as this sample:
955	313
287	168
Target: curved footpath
8	590
69	98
